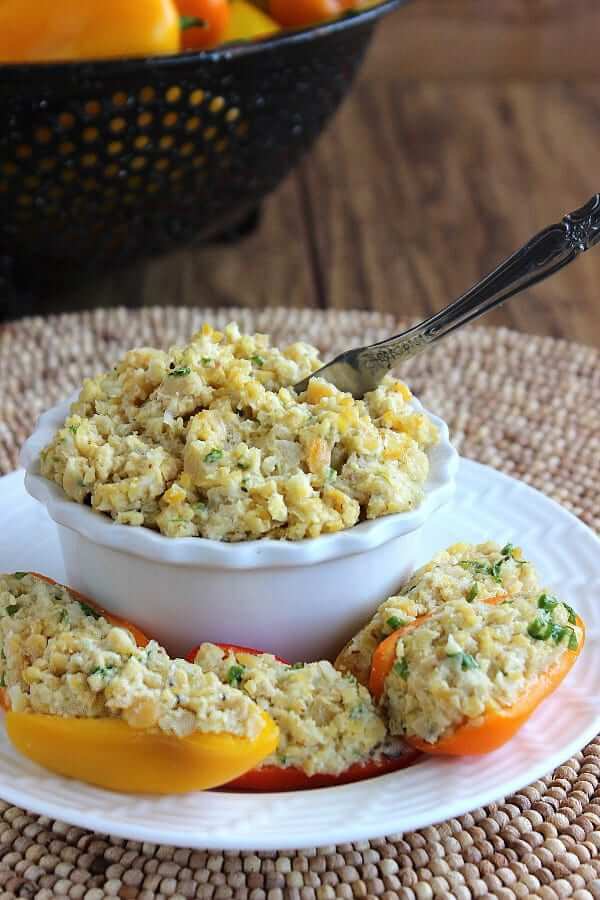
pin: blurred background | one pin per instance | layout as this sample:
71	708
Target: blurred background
471	125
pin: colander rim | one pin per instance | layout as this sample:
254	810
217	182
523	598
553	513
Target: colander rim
99	67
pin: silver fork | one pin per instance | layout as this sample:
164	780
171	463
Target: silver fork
361	370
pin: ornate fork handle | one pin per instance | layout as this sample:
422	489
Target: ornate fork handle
360	370
544	254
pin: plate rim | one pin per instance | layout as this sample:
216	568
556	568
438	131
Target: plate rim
342	832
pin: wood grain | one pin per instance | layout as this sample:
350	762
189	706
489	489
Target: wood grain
533	39
474	124
422	187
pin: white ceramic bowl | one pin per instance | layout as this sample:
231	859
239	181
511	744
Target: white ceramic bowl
300	599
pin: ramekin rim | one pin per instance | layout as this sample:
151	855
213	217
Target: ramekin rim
264	553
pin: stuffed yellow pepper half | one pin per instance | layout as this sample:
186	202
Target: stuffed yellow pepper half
86	700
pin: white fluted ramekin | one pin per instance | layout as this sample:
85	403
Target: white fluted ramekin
299	599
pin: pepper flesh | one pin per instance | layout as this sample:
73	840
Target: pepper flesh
234	648
247	22
298	13
498	725
280	778
214	15
34	31
111	754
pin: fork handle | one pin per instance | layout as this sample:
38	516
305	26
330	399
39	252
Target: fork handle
544	254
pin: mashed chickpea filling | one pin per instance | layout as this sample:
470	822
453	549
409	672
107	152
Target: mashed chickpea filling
469	658
327	721
210	440
60	657
463	571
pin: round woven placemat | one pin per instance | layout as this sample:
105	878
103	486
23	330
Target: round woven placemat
526	405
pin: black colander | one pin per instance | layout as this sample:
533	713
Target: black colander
105	162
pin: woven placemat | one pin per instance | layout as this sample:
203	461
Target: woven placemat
526	405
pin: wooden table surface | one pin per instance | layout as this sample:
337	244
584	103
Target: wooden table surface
473	124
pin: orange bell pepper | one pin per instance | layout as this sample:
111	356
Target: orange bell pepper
385	654
298	13
34	31
248	23
495	727
113	755
213	18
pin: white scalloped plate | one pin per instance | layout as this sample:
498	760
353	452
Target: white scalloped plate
487	505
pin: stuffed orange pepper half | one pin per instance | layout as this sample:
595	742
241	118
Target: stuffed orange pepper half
464	678
330	731
467	571
89	697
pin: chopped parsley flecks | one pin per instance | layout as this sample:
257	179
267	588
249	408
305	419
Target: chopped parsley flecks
472	592
495	571
213	456
12	608
89	611
19	575
541	627
395	622
491	569
297	665
465	660
358	711
475	566
508	552
560	632
571	613
73	429
63	617
206	360
235	675
181	372
573	644
547	602
103	671
258	361
468	662
401	668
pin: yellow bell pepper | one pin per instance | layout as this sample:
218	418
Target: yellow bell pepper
247	23
113	755
35	31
